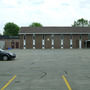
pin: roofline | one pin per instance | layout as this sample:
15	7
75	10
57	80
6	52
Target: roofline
53	33
53	27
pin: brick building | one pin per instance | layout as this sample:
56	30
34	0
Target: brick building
8	42
54	37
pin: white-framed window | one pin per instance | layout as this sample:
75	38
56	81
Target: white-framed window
61	43
24	43
80	43
70	43
52	43
33	41
43	43
52	40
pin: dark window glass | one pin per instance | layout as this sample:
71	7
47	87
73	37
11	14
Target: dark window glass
70	36
80	36
34	36
89	36
43	36
24	36
62	36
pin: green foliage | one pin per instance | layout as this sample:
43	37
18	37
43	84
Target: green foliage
11	29
81	23
36	24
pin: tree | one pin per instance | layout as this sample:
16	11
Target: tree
11	29
81	23
36	24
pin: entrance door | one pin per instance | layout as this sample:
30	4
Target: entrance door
88	44
17	44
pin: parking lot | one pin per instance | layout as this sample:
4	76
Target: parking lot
62	69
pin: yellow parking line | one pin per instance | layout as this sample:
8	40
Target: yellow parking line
67	83
8	83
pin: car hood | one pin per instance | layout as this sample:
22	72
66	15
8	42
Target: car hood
8	53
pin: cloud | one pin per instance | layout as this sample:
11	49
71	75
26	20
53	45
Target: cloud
85	3
47	12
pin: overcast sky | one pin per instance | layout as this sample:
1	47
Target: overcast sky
47	12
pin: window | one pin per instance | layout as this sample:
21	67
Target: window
52	37
34	41
43	39
62	43
70	43
62	36
43	36
70	36
80	36
24	41
34	36
80	44
88	36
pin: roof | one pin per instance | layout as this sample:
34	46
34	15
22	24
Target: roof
54	30
9	37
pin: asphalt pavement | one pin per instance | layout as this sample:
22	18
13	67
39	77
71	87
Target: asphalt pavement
61	69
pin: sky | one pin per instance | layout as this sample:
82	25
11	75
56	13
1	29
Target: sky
46	12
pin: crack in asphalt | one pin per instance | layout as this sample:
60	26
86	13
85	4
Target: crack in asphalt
44	74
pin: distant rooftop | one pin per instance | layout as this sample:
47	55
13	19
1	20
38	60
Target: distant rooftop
54	30
9	37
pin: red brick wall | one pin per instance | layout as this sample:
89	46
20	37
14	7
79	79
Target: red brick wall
8	43
75	41
57	41
48	42
66	42
38	41
21	41
29	41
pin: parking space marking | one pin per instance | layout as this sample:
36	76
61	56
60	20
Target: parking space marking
8	83
66	82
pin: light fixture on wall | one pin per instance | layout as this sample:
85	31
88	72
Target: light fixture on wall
48	39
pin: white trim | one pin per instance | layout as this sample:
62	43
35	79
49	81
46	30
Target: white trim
61	43
24	43
43	43
80	43
52	41
70	43
33	42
